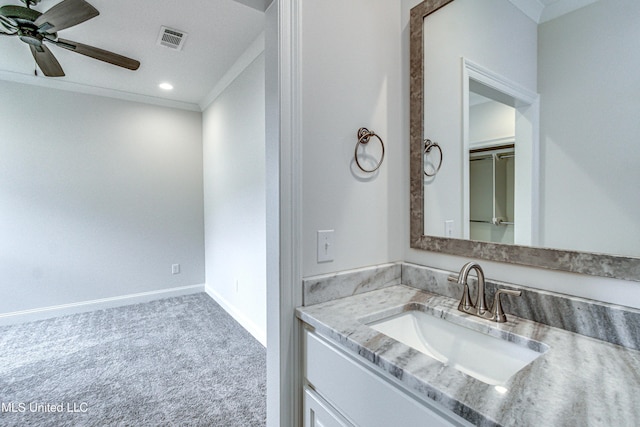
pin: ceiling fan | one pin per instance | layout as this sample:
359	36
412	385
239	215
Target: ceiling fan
35	28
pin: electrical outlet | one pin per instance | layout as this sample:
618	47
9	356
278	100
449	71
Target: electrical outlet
175	269
237	285
325	245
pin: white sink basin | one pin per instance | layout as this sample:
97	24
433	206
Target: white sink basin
486	358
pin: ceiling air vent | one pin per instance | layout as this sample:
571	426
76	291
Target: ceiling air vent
173	39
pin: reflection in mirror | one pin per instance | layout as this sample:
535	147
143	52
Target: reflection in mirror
576	67
491	169
499	131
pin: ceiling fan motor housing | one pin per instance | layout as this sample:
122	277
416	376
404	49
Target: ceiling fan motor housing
30	37
24	18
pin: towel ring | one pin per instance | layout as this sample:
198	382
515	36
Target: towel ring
428	146
364	135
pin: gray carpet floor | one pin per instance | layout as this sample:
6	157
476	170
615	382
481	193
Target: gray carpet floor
174	362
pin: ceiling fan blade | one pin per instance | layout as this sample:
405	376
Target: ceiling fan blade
97	53
65	14
46	61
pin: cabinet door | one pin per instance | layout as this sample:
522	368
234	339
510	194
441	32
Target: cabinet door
317	413
363	396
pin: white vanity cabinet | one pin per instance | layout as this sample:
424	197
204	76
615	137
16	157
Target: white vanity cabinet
342	391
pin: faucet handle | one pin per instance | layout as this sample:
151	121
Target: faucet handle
497	311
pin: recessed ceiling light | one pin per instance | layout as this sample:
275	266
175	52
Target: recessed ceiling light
165	86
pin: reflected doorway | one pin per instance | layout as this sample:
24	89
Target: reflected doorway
500	176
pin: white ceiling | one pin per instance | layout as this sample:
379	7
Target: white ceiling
546	10
219	33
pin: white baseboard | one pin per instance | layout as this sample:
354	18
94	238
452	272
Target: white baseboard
99	304
248	324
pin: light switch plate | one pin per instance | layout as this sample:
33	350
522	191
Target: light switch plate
325	245
448	228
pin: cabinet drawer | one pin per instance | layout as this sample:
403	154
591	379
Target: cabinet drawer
317	413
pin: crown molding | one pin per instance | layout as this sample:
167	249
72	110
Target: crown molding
94	90
248	56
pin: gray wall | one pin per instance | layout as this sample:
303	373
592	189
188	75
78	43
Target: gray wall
350	78
235	198
589	91
98	198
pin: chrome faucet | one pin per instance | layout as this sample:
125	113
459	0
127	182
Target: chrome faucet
480	309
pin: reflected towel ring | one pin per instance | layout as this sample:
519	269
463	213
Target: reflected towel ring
364	135
428	146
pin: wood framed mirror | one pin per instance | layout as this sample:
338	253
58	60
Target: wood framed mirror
624	175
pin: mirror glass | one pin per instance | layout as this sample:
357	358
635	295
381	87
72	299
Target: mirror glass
533	109
491	170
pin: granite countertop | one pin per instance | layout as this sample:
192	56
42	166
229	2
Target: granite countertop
578	381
